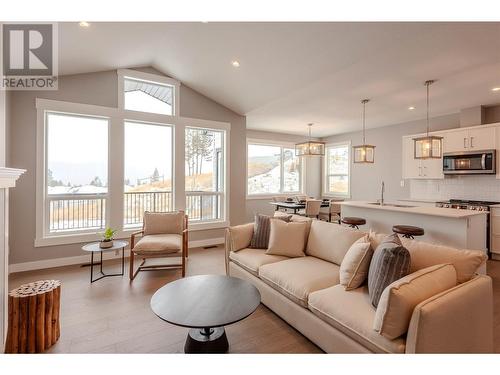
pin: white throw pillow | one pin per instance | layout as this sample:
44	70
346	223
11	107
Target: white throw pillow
356	263
400	298
287	239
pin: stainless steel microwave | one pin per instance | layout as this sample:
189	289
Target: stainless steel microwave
470	162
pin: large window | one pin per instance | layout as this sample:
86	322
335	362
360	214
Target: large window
76	177
148	170
144	96
272	169
204	169
101	167
337	170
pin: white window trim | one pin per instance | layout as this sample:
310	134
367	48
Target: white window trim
324	185
116	117
263	142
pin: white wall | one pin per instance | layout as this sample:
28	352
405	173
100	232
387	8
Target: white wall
312	174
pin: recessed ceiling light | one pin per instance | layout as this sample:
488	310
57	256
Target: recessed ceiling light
84	24
235	63
495	89
411	108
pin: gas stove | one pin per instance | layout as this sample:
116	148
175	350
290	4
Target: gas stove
461	204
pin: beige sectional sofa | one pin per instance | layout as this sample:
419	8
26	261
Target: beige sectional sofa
306	293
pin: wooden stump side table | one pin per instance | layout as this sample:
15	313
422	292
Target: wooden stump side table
33	317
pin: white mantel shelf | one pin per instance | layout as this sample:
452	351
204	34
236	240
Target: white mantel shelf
9	176
418	210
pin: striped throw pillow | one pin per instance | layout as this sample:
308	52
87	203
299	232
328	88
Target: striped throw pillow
390	262
262	230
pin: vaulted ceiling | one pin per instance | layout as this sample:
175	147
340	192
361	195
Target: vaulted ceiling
294	73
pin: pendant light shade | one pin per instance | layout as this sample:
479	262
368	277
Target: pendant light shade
310	148
430	146
364	153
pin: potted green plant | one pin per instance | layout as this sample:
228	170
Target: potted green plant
107	238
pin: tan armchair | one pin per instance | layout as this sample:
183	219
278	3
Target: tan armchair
163	235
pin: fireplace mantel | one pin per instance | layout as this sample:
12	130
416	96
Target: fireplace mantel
9	176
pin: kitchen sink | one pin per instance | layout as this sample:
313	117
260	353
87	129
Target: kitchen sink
391	205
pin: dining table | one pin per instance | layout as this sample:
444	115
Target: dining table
295	206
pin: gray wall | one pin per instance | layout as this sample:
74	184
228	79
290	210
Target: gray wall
312	179
98	89
366	179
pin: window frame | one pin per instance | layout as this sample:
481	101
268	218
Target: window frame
117	116
325	176
148	77
282	145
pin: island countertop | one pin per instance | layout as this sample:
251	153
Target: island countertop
418	210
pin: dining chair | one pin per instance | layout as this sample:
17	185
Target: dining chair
331	212
312	208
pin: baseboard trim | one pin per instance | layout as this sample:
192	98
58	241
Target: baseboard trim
81	259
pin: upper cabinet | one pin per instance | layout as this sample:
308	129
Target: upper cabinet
478	138
419	168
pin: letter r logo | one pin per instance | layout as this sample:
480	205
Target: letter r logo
27	49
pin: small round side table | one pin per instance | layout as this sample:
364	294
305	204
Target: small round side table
95	248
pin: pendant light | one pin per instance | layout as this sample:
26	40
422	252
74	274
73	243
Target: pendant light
310	148
428	147
364	153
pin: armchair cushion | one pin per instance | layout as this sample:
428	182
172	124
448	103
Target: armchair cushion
154	244
163	222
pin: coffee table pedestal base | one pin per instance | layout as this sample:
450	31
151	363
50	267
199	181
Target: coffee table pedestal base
206	340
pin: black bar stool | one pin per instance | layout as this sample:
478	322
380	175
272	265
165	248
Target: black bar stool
408	231
353	222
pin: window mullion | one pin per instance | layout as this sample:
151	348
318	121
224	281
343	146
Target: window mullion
282	172
114	208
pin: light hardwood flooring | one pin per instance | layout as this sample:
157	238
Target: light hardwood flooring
113	316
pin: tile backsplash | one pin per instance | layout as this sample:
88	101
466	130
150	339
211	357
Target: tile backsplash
457	187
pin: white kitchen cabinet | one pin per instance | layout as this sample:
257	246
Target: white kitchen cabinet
495	232
476	138
419	168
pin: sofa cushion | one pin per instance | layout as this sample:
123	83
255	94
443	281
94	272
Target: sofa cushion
351	312
329	241
399	299
424	254
163	222
154	244
262	230
390	262
297	277
287	239
356	263
240	236
252	259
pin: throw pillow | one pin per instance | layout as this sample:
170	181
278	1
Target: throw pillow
399	299
287	239
390	262
262	229
354	267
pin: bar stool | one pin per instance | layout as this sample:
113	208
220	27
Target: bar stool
353	222
408	231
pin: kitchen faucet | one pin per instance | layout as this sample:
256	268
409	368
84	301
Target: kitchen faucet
382	194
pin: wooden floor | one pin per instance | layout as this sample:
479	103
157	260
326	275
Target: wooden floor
113	316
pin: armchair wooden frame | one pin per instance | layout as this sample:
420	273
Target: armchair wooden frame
142	267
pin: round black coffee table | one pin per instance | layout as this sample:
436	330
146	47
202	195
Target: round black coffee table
206	304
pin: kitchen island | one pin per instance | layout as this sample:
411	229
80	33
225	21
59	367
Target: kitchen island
466	229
